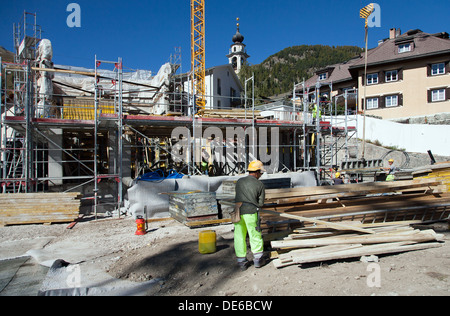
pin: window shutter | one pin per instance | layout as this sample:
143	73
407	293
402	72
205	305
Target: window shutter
447	67
400	99
381	77
429	70
363	104
364	79
429	96
447	94
381	102
400	74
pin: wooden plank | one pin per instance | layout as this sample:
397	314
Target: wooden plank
359	252
419	236
323	192
286	259
364	204
435	188
324	223
208	222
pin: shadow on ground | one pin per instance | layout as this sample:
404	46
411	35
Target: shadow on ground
181	267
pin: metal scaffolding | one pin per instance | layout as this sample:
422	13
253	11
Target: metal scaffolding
92	143
327	130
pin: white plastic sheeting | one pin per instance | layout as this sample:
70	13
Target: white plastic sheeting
85	86
44	81
148	195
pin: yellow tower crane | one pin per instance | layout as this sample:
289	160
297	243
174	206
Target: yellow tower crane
198	53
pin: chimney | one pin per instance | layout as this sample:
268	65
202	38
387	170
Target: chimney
392	33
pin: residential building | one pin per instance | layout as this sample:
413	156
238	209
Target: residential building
408	76
335	80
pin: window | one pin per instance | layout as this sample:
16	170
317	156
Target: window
438	69
219	87
372	79
403	48
323	76
391	76
372	103
391	100
438	95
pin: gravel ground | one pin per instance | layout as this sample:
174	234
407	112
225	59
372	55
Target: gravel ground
168	257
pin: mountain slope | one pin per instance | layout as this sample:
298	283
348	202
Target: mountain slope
277	74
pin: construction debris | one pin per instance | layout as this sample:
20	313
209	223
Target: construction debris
39	208
320	243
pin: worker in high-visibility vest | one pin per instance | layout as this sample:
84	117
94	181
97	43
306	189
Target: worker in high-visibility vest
314	113
391	170
250	195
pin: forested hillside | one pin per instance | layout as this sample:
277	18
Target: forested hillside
277	74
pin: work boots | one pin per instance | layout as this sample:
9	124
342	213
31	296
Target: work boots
243	263
259	260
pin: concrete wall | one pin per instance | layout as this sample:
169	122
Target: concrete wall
411	137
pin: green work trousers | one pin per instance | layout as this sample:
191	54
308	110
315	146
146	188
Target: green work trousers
248	223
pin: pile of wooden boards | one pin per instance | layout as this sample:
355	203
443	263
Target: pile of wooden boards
419	199
39	208
231	113
323	243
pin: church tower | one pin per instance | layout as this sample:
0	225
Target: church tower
238	54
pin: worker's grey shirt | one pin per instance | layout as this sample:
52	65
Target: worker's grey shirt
251	192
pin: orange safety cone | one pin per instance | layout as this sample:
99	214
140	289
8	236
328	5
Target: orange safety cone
140	223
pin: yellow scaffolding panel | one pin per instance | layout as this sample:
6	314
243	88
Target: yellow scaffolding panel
198	52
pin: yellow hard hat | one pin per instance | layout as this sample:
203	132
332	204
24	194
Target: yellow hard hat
337	175
391	160
255	166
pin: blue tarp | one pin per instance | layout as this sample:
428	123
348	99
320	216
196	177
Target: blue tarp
158	175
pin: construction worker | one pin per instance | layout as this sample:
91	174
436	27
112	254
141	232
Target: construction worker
390	170
314	113
251	193
338	178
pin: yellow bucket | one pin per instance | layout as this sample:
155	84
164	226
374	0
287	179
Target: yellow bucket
207	241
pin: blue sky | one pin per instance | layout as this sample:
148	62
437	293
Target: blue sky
145	33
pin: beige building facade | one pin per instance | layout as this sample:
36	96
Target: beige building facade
407	76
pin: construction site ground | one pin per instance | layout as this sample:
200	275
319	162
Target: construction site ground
107	258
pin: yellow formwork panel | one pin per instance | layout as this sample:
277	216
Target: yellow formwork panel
442	175
85	111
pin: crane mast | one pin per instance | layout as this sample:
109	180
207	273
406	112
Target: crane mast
198	53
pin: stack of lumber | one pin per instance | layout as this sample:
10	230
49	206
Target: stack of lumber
419	199
39	208
436	172
231	113
324	242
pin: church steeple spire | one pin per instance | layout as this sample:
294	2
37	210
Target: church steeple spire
238	54
238	37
